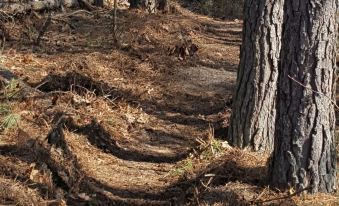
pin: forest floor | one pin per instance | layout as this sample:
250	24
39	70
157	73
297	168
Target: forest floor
88	121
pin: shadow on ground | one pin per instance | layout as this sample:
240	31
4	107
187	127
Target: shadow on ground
69	177
184	104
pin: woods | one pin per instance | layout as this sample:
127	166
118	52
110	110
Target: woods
168	102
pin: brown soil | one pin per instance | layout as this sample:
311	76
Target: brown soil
125	123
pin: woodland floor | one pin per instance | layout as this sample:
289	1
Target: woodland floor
98	123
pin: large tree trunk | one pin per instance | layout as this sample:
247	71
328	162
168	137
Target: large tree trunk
305	155
253	117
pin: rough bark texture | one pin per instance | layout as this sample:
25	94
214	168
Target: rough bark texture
305	155
253	117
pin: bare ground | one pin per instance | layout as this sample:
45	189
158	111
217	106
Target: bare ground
99	123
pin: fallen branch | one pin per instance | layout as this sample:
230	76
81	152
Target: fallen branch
41	5
72	14
21	8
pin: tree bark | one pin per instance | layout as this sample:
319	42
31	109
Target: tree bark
253	116
163	5
305	154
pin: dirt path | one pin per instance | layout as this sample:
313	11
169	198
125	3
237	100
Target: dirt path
132	114
126	124
165	128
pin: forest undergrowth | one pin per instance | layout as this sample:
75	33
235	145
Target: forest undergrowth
87	119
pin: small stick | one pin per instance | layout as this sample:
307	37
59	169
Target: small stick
260	195
317	92
281	198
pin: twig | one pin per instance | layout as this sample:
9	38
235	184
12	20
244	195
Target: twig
281	198
260	195
73	13
41	84
206	186
196	195
317	92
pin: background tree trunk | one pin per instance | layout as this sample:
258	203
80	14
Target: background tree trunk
253	116
115	26
305	155
149	5
163	5
133	4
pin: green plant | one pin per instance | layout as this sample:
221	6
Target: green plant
4	109
111	121
12	89
185	167
216	146
213	150
10	120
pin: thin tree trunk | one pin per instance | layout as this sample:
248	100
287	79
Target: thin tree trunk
18	7
253	116
115	21
305	154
